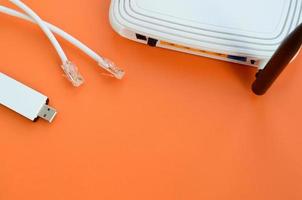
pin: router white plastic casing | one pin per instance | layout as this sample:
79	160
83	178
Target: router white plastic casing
245	32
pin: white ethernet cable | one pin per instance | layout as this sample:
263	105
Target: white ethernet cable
69	68
104	63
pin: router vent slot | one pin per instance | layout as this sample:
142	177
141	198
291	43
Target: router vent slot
164	43
194	50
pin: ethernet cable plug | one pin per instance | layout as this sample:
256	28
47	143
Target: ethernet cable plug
72	73
112	68
70	69
24	100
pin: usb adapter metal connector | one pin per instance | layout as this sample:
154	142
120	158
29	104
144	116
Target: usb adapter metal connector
47	113
24	100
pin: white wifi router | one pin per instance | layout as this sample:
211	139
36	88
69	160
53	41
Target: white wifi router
246	32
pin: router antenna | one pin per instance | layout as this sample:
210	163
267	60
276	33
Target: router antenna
282	57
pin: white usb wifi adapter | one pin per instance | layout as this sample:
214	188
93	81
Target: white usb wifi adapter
24	100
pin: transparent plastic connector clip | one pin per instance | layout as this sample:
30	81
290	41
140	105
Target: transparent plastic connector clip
72	73
112	68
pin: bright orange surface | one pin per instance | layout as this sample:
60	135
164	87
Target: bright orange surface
178	127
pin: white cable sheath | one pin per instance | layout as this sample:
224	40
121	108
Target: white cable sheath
103	62
56	30
45	29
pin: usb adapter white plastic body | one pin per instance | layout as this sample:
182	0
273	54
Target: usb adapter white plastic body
24	100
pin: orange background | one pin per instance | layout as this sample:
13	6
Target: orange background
178	127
